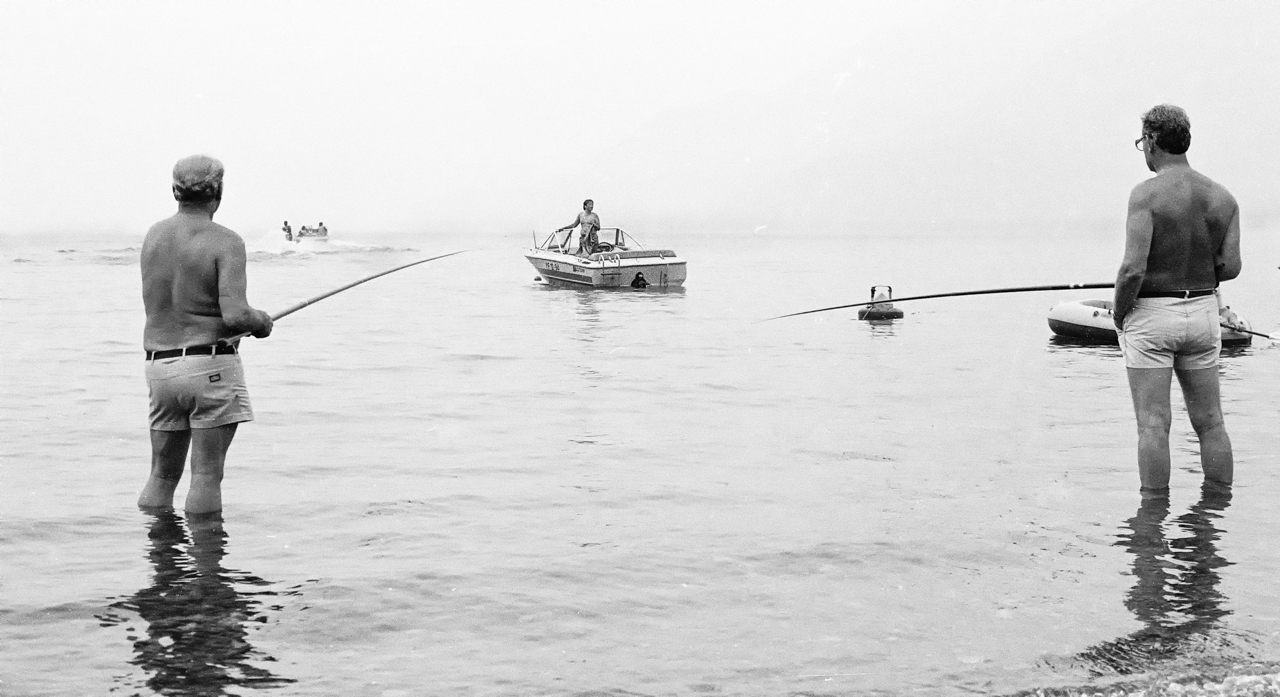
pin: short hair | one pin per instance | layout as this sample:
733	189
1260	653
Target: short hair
584	203
1170	127
197	179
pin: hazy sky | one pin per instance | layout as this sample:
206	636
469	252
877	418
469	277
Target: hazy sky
496	117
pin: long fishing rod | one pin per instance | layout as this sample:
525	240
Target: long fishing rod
990	291
1023	289
311	301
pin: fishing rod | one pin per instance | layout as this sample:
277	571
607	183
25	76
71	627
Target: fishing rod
992	291
311	301
989	291
1242	330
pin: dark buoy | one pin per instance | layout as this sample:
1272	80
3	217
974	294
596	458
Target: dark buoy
882	307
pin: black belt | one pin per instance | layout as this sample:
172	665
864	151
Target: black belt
206	350
1175	293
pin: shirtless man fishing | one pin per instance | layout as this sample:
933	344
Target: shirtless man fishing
193	287
1182	238
589	222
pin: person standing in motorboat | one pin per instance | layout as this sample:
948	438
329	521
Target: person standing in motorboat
322	230
1182	238
288	232
588	223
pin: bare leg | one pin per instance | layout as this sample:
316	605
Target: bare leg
208	456
168	457
1204	406
1150	390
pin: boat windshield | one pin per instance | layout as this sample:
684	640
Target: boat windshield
607	239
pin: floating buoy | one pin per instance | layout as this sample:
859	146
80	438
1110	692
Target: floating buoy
881	307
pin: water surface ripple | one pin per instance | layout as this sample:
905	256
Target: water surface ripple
463	482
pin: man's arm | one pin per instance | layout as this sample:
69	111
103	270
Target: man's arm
232	287
1227	262
1137	245
572	225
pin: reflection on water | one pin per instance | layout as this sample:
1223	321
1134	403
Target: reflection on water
881	328
1082	346
1175	594
197	637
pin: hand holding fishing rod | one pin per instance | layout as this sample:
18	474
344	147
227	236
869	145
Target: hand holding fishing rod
311	301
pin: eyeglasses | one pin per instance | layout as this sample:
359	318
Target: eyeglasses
1141	143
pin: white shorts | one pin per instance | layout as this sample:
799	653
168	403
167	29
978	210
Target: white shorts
197	392
1181	333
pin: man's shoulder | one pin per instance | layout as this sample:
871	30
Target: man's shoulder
213	235
1182	183
201	234
225	234
1145	191
1214	189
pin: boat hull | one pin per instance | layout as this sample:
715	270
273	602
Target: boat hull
1092	321
657	268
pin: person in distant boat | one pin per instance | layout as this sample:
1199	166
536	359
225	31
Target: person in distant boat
587	223
1182	238
193	289
322	230
288	232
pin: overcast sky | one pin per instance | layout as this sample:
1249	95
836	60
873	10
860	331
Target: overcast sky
499	117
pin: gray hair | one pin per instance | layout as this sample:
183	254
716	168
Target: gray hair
197	179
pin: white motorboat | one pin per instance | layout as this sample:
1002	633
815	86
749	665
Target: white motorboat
618	262
1093	321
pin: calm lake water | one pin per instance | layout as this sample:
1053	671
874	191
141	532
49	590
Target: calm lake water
463	482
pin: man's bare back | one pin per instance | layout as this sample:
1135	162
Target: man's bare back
193	283
1191	216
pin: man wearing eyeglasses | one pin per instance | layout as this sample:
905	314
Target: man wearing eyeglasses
1182	238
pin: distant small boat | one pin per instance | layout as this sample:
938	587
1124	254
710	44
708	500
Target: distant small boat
1093	321
315	234
618	262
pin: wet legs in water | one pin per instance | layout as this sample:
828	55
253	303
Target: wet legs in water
1150	389
208	448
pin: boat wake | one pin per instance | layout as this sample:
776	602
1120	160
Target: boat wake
282	249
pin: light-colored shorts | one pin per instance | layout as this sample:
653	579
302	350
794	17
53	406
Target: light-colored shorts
1180	333
197	392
